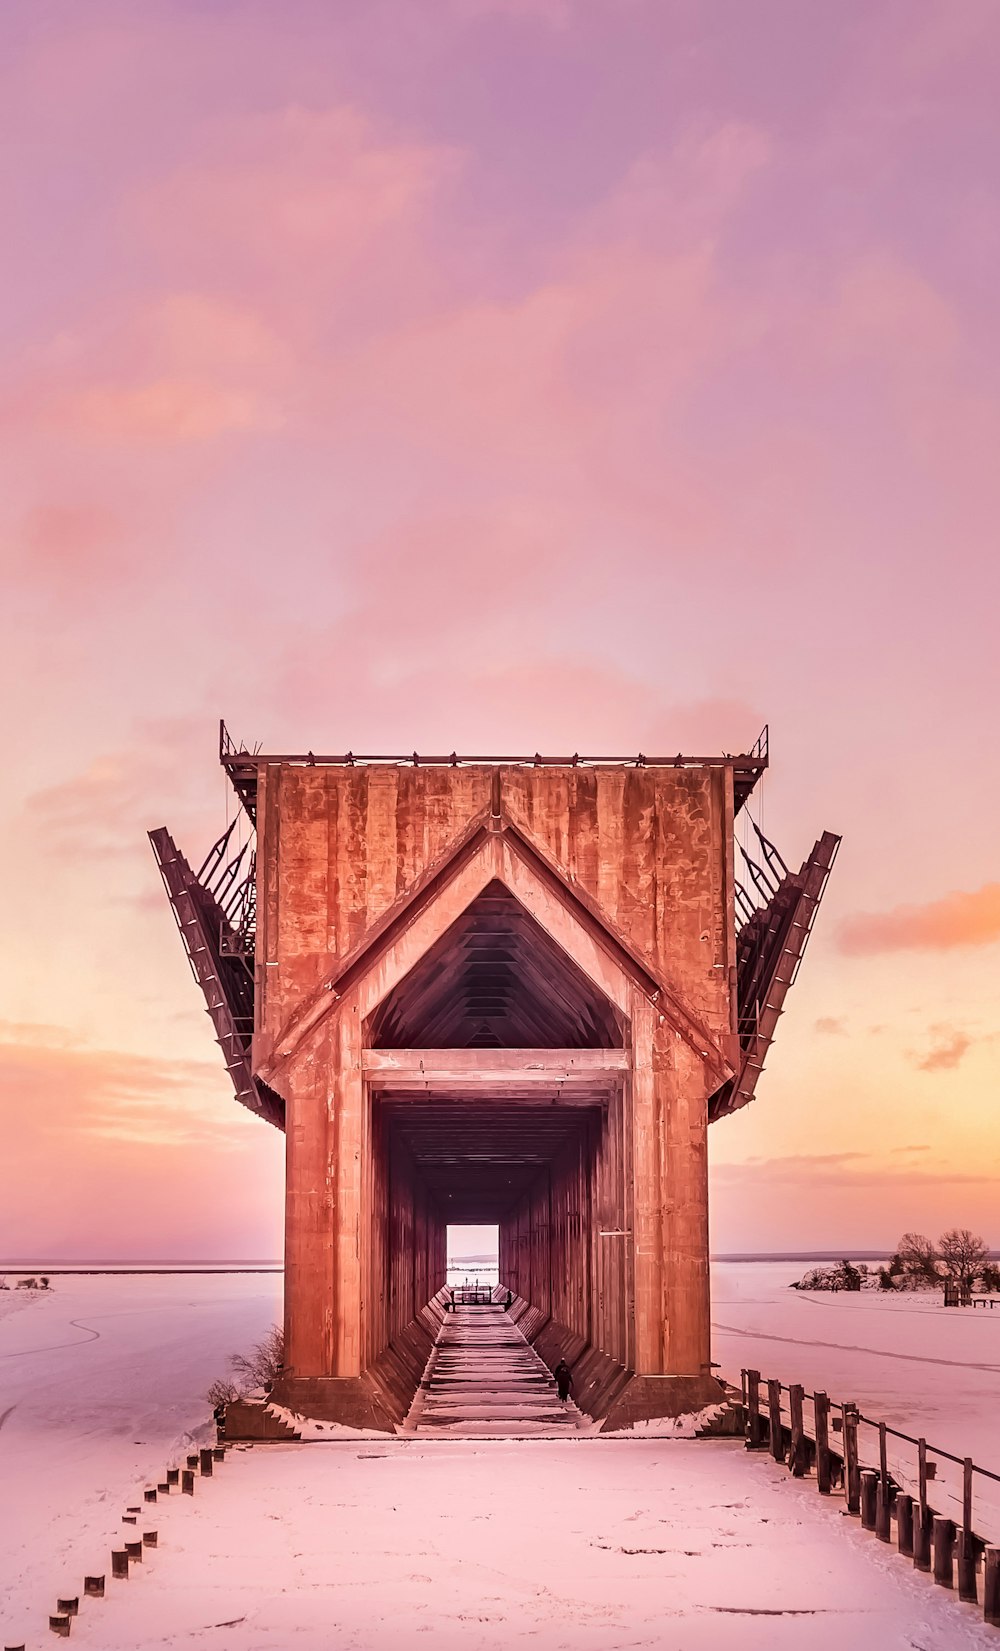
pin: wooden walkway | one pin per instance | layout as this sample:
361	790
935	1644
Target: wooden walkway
483	1379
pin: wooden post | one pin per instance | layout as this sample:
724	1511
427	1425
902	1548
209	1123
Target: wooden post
93	1587
149	1539
869	1497
967	1567
187	1482
173	1476
966	1540
119	1563
68	1607
883	1510
163	1489
943	1543
904	1524
991	1586
755	1421
219	1453
206	1463
149	1496
922	1537
192	1460
774	1420
852	1472
60	1626
797	1445
134	1550
821	1413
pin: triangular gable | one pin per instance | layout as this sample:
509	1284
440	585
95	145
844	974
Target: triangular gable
492	846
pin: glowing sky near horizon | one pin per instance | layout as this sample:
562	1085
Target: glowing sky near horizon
500	374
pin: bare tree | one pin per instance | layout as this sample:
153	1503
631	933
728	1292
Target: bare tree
262	1365
918	1259
964	1255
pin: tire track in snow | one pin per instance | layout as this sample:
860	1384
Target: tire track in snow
53	1346
849	1347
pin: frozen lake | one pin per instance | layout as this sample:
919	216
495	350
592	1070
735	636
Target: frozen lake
103	1379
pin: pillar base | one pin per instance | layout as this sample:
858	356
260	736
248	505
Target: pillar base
648	1398
355	1401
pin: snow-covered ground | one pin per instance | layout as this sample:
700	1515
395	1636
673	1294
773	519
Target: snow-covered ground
590	1546
101	1380
904	1359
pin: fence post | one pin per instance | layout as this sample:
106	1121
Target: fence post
883	1509
852	1474
821	1413
869	1497
943	1539
966	1540
904	1523
755	1421
797	1445
774	1417
991	1586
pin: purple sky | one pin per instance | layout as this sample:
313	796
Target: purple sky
501	376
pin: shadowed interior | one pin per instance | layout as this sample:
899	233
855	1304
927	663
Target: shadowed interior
495	980
533	1140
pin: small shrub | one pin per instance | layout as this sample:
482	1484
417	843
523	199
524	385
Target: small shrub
260	1368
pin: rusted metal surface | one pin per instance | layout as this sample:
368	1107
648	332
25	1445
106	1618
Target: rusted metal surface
770	949
220	953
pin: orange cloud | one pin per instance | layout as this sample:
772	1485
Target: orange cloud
946	1053
159	410
959	919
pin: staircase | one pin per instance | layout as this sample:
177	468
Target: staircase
484	1380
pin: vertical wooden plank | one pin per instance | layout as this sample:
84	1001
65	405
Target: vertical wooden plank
821	1415
797	1445
775	1430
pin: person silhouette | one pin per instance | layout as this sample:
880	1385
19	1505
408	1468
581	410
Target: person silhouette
564	1380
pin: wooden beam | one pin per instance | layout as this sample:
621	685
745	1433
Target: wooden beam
489	1069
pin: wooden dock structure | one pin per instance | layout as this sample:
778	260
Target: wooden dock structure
511	990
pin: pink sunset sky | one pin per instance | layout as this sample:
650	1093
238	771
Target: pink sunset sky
500	375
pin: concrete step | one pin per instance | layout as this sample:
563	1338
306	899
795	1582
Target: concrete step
483	1377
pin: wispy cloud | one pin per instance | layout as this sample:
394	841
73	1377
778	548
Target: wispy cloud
947	1051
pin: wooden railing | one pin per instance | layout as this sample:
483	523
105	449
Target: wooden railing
953	1531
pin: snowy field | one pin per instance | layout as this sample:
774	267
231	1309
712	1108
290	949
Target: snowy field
904	1359
589	1546
100	1379
102	1383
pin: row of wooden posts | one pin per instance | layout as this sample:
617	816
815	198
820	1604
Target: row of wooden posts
934	1542
199	1462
